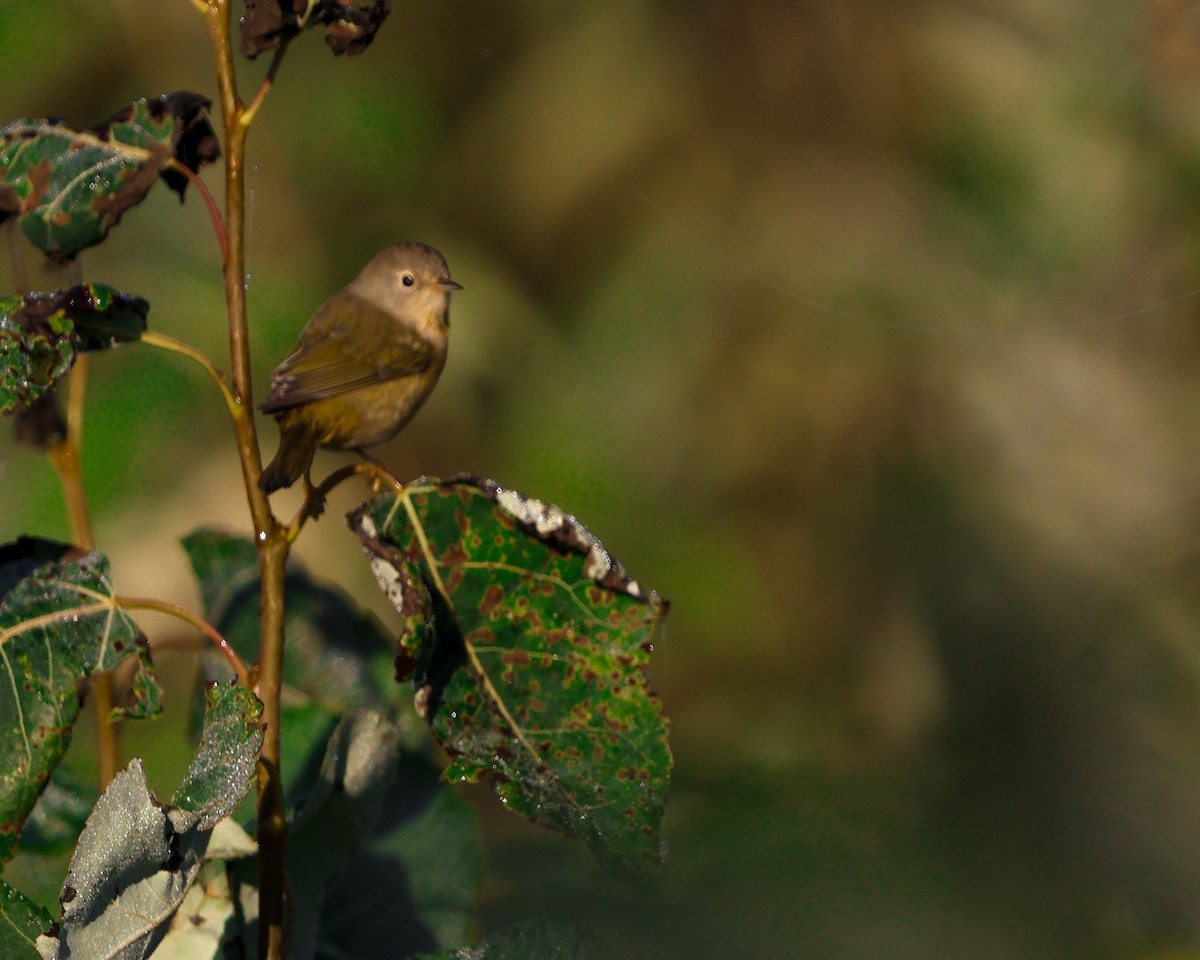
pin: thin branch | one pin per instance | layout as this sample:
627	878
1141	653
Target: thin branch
314	499
164	342
197	621
214	211
267	82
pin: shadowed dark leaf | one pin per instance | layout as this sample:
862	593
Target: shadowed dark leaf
417	874
528	941
533	673
69	188
349	28
54	824
40	333
40	424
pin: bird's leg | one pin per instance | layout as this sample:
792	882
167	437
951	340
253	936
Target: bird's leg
314	498
376	480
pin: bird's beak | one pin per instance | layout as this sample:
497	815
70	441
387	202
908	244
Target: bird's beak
447	284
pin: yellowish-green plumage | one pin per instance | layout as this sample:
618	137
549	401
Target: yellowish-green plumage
364	363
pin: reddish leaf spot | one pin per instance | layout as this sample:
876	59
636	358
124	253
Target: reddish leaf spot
481	637
491	599
39	183
518	657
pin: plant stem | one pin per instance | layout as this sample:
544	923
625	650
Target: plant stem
271	539
197	621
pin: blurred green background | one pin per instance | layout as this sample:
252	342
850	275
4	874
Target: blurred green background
933	654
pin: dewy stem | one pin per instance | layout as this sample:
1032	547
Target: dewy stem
271	535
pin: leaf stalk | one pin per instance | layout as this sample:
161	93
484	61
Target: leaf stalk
197	621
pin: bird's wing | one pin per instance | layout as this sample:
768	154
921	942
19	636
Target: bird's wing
342	357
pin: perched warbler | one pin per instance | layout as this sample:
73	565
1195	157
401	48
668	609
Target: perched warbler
365	362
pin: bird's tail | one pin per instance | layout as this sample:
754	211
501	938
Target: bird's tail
292	460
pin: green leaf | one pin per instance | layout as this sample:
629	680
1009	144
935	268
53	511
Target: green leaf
40	334
359	763
69	187
59	623
23	922
218	776
137	857
305	728
145	695
348	29
531	664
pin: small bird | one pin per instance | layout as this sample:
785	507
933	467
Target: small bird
365	362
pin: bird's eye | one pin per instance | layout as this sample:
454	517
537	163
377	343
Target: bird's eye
408	279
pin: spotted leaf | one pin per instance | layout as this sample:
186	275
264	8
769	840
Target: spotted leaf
40	334
528	645
59	623
68	188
